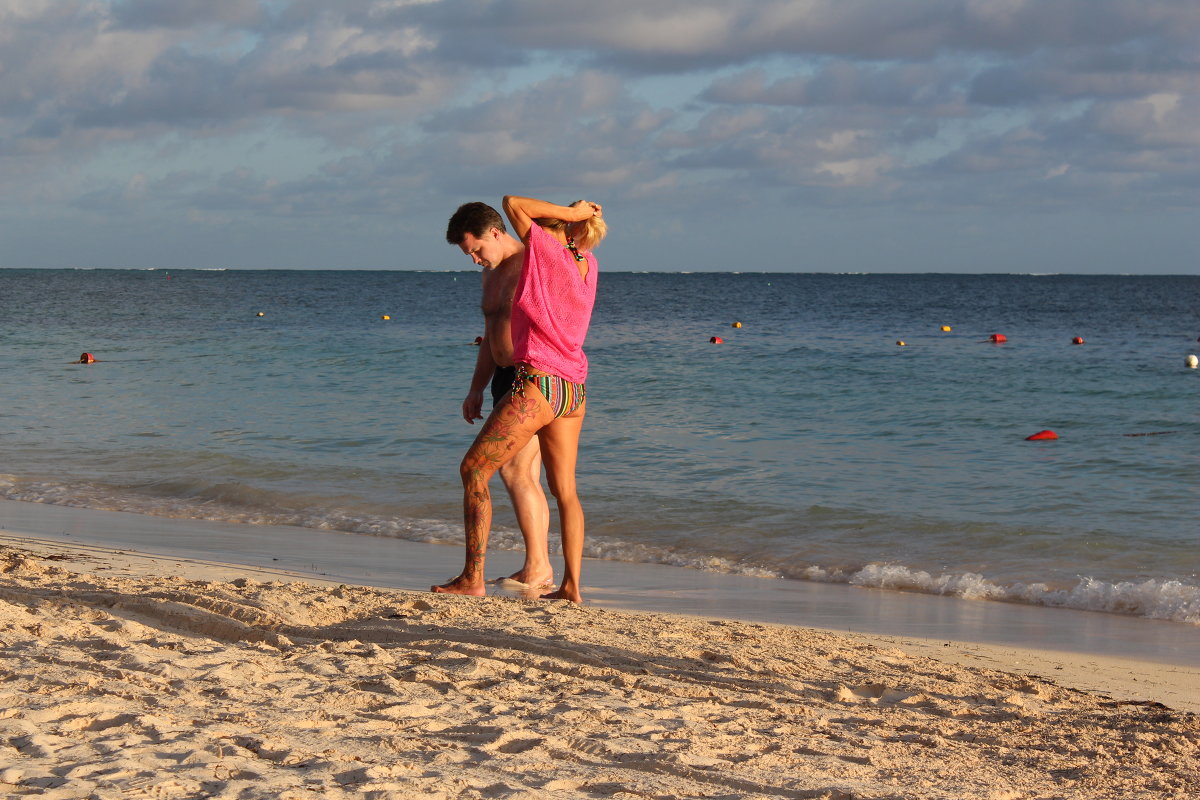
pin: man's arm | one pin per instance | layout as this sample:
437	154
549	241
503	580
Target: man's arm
485	366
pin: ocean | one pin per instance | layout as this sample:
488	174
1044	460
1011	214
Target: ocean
807	446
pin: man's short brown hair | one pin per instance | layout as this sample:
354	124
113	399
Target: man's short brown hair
473	218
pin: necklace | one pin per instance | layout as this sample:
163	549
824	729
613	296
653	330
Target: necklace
574	250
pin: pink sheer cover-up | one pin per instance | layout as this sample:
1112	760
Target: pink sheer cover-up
553	308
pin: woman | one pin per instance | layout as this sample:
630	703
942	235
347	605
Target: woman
551	312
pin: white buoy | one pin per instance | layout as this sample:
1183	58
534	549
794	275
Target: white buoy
1191	361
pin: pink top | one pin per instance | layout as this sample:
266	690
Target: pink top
552	308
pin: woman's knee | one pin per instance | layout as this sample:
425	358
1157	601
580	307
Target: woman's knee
473	472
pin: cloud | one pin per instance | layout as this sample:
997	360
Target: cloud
186	14
555	134
840	83
671	35
1133	69
119	71
278	110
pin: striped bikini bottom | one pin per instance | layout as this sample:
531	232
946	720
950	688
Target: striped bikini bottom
562	395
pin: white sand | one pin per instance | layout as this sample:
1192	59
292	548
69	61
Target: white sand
125	675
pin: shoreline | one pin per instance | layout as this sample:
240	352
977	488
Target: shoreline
1123	679
403	564
1129	657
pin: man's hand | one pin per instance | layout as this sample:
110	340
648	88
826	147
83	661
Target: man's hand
472	407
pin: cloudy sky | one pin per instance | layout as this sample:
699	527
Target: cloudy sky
783	135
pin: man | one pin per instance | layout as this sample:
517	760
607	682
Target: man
479	231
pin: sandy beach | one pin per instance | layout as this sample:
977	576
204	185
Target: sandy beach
128	675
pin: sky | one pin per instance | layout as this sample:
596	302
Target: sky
728	135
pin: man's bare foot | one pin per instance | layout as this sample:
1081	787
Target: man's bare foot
563	594
461	585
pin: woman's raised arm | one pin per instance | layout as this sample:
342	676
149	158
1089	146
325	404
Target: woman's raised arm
522	211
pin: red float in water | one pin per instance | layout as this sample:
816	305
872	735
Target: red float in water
1077	340
717	340
1041	435
998	338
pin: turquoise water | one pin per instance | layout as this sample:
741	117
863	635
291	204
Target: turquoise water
807	446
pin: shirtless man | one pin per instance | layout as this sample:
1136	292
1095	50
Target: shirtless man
479	231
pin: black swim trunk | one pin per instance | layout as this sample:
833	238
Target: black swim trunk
502	381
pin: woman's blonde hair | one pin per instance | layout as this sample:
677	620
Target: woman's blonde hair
591	234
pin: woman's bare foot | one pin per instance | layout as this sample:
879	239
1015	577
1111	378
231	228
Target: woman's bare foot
461	585
533	580
564	594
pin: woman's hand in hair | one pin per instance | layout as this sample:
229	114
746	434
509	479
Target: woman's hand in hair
595	208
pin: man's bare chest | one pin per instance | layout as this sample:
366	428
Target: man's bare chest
498	293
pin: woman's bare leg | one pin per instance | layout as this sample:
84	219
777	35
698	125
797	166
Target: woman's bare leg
560	451
507	430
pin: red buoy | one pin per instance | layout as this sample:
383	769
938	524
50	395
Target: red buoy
717	340
998	338
1040	435
1077	340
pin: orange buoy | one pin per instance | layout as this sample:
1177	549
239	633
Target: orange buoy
998	338
1077	340
736	325
717	340
1040	435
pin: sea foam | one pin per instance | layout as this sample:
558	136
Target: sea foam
1156	599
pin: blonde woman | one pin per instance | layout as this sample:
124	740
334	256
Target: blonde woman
551	313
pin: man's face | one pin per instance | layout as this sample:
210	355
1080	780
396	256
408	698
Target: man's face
485	251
